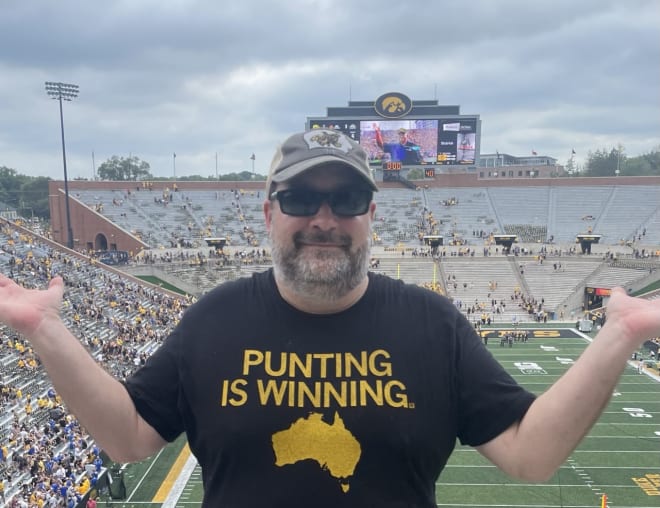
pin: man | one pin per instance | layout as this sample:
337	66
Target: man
318	383
405	151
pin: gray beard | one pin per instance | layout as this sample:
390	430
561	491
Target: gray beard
328	275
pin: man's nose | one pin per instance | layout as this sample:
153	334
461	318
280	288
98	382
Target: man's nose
325	215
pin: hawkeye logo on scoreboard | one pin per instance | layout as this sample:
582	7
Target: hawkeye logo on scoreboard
393	105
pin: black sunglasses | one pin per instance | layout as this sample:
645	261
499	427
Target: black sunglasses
307	202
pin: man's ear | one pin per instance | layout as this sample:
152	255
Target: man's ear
268	213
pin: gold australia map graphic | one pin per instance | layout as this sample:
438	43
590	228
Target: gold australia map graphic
332	446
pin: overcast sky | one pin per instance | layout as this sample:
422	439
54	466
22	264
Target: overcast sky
207	77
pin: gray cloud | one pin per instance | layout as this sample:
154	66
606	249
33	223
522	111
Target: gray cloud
200	77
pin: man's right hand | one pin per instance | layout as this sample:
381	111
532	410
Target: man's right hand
25	310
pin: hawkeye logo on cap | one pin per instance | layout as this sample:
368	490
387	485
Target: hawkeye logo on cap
327	139
393	105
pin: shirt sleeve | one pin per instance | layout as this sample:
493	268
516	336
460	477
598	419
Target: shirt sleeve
489	399
155	389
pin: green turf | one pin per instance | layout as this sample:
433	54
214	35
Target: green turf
143	479
161	283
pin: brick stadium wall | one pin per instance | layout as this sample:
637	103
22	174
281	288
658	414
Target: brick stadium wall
87	225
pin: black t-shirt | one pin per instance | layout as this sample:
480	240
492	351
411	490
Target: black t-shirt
355	409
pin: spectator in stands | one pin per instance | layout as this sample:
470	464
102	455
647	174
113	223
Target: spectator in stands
404	151
260	372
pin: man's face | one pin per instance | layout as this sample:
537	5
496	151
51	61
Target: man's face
403	138
323	255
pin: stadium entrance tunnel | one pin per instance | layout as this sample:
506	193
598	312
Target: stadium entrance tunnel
100	242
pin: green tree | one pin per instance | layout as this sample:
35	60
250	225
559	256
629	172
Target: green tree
27	194
10	184
34	197
570	167
124	169
604	163
415	174
243	176
647	164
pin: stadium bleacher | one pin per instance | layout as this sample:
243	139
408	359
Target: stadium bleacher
119	319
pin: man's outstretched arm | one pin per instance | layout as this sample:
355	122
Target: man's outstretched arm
558	419
379	136
100	402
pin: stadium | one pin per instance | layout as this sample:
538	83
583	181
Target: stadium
527	255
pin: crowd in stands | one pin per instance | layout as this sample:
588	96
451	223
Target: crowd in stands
216	257
425	138
527	232
486	311
46	458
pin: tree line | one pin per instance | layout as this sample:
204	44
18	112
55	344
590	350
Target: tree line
615	162
28	195
123	169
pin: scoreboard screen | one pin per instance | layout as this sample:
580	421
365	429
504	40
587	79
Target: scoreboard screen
396	143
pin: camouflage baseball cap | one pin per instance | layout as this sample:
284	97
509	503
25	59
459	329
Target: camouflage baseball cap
307	150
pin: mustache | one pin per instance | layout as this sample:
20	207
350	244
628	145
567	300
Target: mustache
329	237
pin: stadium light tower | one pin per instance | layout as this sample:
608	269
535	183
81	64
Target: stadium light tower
64	92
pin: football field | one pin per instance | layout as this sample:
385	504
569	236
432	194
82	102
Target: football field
619	458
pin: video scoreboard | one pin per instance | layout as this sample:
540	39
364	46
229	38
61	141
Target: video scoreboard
440	141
